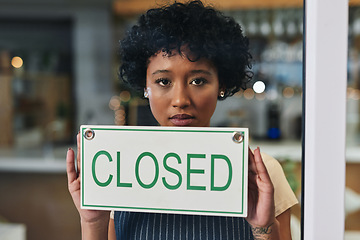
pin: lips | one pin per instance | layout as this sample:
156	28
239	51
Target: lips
181	119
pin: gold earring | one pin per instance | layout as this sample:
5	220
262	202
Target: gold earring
146	94
222	93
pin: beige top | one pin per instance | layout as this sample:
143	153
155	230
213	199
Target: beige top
284	196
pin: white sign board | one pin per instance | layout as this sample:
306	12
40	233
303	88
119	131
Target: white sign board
165	169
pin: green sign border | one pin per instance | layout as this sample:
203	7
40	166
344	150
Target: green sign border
156	130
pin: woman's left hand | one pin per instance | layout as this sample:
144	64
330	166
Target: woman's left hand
261	207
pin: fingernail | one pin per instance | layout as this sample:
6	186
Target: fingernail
69	148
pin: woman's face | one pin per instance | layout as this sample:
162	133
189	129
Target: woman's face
181	92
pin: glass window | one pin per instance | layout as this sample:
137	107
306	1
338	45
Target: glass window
36	79
271	104
352	189
55	75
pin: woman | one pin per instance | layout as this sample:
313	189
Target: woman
186	57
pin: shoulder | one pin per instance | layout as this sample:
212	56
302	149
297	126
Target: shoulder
284	196
271	163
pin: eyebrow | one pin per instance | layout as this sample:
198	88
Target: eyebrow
201	71
160	71
192	71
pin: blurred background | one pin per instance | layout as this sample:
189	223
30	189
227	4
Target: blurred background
58	70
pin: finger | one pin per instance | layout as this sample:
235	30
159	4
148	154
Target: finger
70	167
78	152
252	166
260	166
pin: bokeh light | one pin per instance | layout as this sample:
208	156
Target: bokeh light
249	94
272	94
120	116
114	103
353	93
125	96
288	92
239	93
259	87
260	96
17	62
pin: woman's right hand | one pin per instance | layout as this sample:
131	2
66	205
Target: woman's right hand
91	220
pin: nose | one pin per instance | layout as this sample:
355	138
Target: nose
180	97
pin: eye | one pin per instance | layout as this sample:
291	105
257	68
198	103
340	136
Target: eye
198	81
163	82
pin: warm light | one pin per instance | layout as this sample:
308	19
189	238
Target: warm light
119	119
259	87
349	91
114	103
260	96
17	62
120	112
249	94
354	94
125	96
239	93
288	92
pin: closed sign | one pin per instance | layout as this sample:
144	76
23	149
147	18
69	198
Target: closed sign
165	169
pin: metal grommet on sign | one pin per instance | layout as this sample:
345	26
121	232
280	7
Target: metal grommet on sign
238	137
89	134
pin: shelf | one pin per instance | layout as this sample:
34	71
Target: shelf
133	7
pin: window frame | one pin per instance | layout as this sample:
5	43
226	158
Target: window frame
324	103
